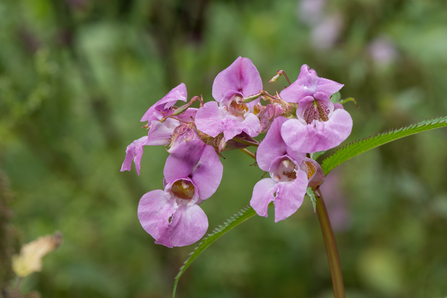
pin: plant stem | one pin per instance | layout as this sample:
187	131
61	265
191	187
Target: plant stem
248	153
331	247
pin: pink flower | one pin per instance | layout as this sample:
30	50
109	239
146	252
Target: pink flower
321	125
172	216
288	182
231	116
160	132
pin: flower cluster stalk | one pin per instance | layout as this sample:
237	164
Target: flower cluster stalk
331	247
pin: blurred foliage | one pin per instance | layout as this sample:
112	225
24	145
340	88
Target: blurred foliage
77	75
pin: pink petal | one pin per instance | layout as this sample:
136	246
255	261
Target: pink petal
234	126
207	174
263	194
317	136
177	93
134	152
183	159
213	120
241	76
154	210
307	84
160	133
273	146
289	196
209	119
189	223
197	161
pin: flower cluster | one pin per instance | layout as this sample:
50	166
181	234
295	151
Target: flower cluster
298	121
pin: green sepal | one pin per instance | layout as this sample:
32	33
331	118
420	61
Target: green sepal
251	98
311	194
343	101
335	98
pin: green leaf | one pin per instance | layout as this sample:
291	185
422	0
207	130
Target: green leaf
360	146
315	155
246	213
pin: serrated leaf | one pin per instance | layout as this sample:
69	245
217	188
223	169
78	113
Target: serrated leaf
245	213
315	155
360	146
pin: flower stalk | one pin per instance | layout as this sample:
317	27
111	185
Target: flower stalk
331	247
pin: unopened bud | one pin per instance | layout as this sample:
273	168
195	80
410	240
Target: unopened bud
275	78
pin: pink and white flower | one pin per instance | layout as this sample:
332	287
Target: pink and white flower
228	114
172	216
288	183
161	128
320	124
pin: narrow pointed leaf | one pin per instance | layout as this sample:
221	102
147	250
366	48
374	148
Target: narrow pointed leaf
246	213
360	146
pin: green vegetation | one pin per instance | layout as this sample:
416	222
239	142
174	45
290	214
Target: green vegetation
77	75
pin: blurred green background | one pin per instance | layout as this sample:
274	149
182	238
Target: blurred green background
77	75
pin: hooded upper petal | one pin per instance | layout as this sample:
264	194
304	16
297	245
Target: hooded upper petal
240	77
273	146
307	84
197	161
156	112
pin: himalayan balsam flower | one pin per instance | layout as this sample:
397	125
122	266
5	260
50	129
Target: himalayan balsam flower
160	132
288	182
321	124
232	117
172	216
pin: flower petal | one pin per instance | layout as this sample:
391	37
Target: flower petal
134	152
263	194
160	133
189	223
273	146
177	93
207	174
307	84
241	76
234	126
317	136
183	159
209	119
154	210
289	196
